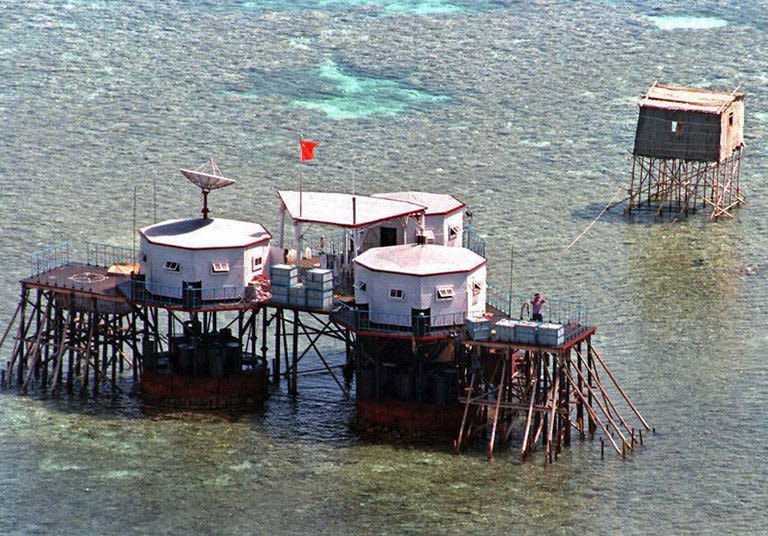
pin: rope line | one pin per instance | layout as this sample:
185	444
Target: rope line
605	209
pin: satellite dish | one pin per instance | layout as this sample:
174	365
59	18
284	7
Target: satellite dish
207	177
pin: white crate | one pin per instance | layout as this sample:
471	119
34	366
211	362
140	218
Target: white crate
551	334
525	332
319	275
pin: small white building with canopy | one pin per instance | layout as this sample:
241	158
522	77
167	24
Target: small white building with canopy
442	224
354	214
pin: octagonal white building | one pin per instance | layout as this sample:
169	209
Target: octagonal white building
400	283
217	256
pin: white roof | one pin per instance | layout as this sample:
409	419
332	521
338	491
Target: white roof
336	208
436	204
199	233
416	259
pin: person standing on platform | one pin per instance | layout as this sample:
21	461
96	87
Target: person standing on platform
537	304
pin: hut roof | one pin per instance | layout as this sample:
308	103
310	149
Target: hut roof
200	233
436	204
688	99
337	209
420	259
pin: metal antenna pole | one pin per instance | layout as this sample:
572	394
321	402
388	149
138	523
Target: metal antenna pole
154	199
511	272
135	190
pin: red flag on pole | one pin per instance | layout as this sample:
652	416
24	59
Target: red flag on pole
307	149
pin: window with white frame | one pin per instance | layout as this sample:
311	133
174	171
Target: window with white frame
219	267
477	287
396	293
444	293
257	263
361	286
172	266
453	232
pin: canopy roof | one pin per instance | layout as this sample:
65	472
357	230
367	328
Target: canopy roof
420	259
337	209
687	99
436	204
201	233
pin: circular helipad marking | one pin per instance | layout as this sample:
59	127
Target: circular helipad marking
88	277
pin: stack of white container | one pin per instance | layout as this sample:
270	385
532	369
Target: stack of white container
527	332
286	288
319	286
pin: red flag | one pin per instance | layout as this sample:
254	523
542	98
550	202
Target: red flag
307	149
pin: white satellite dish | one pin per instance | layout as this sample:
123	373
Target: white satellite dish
207	177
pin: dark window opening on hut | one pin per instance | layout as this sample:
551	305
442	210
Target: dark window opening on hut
396	293
730	119
677	128
172	266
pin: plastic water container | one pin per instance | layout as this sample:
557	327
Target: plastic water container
319	299
478	329
525	332
279	294
505	330
283	275
551	334
297	295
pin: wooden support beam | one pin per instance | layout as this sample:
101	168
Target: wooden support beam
594	416
36	348
618	387
460	440
499	396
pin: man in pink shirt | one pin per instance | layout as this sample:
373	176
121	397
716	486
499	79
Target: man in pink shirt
537	303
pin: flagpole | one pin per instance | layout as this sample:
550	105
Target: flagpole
301	194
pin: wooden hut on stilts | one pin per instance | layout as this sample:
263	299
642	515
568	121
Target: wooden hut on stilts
687	155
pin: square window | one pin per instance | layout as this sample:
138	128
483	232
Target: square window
219	267
453	232
361	286
444	293
396	293
172	266
257	263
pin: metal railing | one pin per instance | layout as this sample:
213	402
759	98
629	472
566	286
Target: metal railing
50	258
176	296
107	255
473	241
418	325
555	311
59	255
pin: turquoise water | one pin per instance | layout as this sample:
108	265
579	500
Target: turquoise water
524	110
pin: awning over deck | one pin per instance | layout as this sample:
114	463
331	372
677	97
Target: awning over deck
348	211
